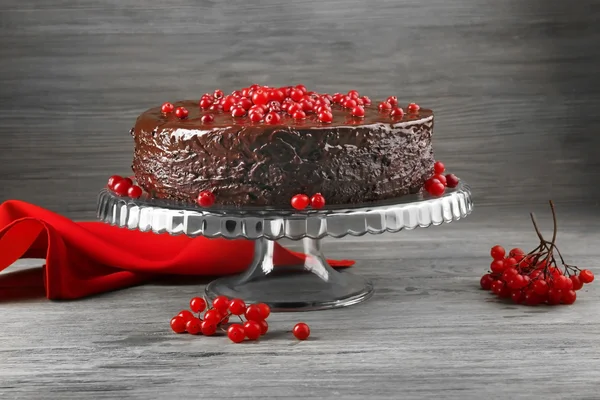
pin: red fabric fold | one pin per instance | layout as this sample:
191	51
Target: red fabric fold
87	258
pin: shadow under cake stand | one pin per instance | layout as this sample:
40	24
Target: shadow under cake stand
312	285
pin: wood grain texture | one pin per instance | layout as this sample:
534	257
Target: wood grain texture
513	83
515	88
428	333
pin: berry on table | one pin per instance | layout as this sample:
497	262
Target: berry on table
301	331
254	313
193	326
197	304
497	252
237	307
208	327
300	201
236	333
221	304
252	330
586	276
486	281
206	199
181	112
576	282
264	327
178	324
568	296
213	315
265	310
186	315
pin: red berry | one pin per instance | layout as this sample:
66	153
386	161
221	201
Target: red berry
353	94
497	252
213	315
237	307
577	283
255	116
228	103
554	296
186	315
299	114
218	94
272	118
236	333
531	299
274	106
510	262
252	330
497	266
393	100
350	103
317	201
517	296
193	326
517	254
205	199
293	108
436	188
439	167
307	105
413	108
208	118
181	112
586	276
197	304
366	100
260	97
358	111
568	296
178	324
264	327
237	112
497	286
508	273
265	310
486	281
517	282
384	106
441	179
253	313
325	116
245	103
221	304
167	108
113	180
276	95
540	287
135	192
301	331
206	102
300	201
452	180
397	112
302	88
296	94
121	188
208	327
561	282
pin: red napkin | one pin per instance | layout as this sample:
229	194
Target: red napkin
87	258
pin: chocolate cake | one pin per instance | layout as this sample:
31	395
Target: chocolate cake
262	146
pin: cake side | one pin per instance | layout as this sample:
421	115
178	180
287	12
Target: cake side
349	160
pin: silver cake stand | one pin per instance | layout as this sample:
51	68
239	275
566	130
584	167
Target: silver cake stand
312	285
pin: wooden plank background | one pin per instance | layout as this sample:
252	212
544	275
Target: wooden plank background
516	92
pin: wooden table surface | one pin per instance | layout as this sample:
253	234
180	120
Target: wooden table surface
516	92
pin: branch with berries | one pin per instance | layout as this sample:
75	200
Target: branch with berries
540	276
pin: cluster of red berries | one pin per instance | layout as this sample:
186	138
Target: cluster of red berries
390	106
534	278
269	105
208	321
124	187
528	279
436	185
301	201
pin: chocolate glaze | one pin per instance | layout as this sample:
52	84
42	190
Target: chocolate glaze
352	160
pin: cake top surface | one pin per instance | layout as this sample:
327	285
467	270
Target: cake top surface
291	106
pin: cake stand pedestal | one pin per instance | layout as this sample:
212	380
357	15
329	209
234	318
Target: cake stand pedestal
311	285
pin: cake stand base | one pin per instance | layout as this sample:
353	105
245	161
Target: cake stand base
313	285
